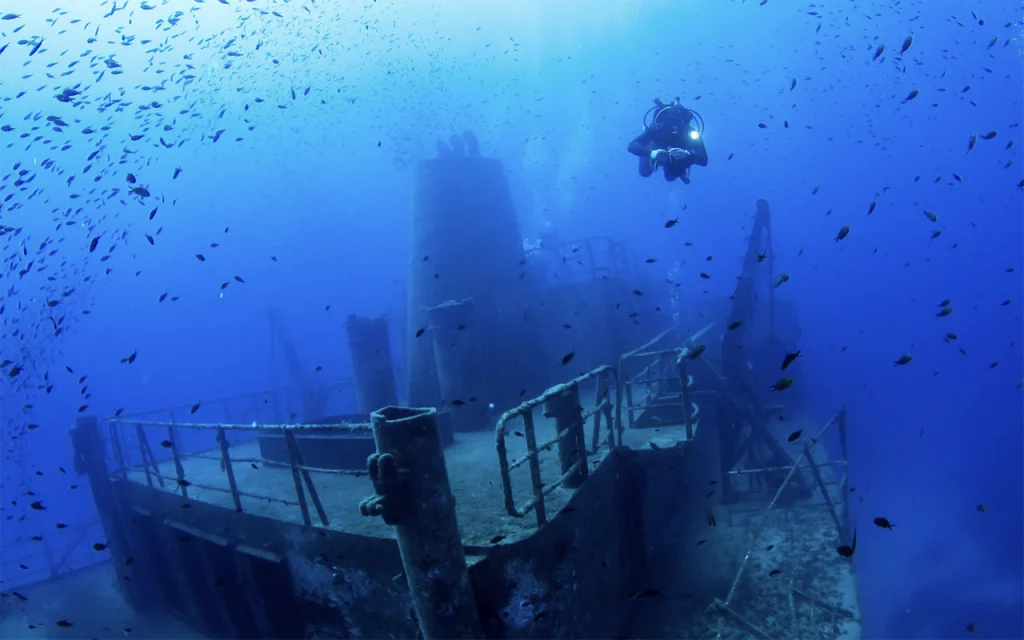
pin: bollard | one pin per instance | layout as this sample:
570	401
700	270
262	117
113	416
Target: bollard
568	414
371	363
412	493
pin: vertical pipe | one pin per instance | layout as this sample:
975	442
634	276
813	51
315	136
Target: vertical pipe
413	494
461	370
572	446
372	372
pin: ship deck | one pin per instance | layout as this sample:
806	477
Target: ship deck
472	463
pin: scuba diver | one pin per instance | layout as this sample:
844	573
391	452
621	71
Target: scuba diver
674	140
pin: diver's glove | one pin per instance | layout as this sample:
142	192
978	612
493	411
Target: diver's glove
659	157
677	155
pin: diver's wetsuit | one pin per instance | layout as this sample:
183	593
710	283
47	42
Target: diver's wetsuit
663	135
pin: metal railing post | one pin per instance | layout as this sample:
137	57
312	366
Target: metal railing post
179	469
531	450
226	461
293	463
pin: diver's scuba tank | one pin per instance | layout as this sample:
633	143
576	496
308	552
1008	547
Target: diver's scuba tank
659	107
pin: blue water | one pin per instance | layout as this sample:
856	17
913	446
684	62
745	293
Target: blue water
305	197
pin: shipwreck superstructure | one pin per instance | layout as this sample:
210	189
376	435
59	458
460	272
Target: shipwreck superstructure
650	494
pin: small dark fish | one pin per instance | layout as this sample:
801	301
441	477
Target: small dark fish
910	96
200	257
793	437
790	357
130	178
194	408
92	245
845	231
99	546
904	359
696	352
420	332
184	483
63	623
166	444
456	403
906	44
783	384
497	539
734	325
671	223
774	572
883	523
567	358
177	172
711	519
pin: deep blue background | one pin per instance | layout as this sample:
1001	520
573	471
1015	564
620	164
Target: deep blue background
556	90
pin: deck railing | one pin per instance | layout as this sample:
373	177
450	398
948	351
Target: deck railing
562	402
133	457
661	377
